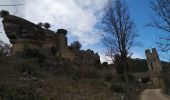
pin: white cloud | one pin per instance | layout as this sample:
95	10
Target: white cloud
12	10
138	55
79	17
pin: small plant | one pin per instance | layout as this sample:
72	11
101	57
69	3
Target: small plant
4	13
105	64
117	88
76	75
47	25
109	77
76	45
18	93
31	53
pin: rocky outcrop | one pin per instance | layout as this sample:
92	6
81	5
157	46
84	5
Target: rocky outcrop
155	68
23	33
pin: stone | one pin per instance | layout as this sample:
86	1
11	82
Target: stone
155	68
23	33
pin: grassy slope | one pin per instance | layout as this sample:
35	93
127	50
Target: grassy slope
18	81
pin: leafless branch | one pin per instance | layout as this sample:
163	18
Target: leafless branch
120	32
13	5
161	20
161	17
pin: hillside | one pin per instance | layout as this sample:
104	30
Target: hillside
30	79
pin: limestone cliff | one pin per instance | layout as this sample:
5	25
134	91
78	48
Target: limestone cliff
22	32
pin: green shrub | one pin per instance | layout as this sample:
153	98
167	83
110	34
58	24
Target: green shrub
105	64
76	75
108	77
119	78
32	52
99	83
117	88
31	69
93	74
26	68
18	93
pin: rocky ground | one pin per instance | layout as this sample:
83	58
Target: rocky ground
153	94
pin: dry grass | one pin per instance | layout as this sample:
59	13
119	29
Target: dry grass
43	85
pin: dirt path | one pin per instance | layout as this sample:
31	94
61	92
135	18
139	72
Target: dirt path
153	94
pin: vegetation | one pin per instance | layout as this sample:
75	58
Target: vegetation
5	49
161	18
76	45
161	21
47	25
28	80
36	75
165	74
120	33
138	65
3	13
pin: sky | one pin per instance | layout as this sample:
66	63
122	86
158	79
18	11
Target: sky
81	18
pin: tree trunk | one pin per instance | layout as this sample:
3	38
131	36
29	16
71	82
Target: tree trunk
126	74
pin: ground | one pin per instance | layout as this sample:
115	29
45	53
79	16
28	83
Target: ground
153	94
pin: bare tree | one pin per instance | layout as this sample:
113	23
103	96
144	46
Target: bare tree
40	24
76	45
161	20
5	49
119	34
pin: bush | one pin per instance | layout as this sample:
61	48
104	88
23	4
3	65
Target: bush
31	68
99	83
28	69
117	88
105	64
76	75
32	53
92	74
76	45
109	77
18	93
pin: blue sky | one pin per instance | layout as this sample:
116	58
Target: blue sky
80	18
141	13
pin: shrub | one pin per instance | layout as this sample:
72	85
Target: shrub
76	75
31	53
31	68
4	13
117	88
109	77
76	45
105	64
18	93
93	73
99	83
47	25
26	68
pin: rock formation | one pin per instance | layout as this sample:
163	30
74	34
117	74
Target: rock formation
23	33
155	68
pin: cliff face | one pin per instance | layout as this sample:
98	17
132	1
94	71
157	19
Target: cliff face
24	33
155	68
